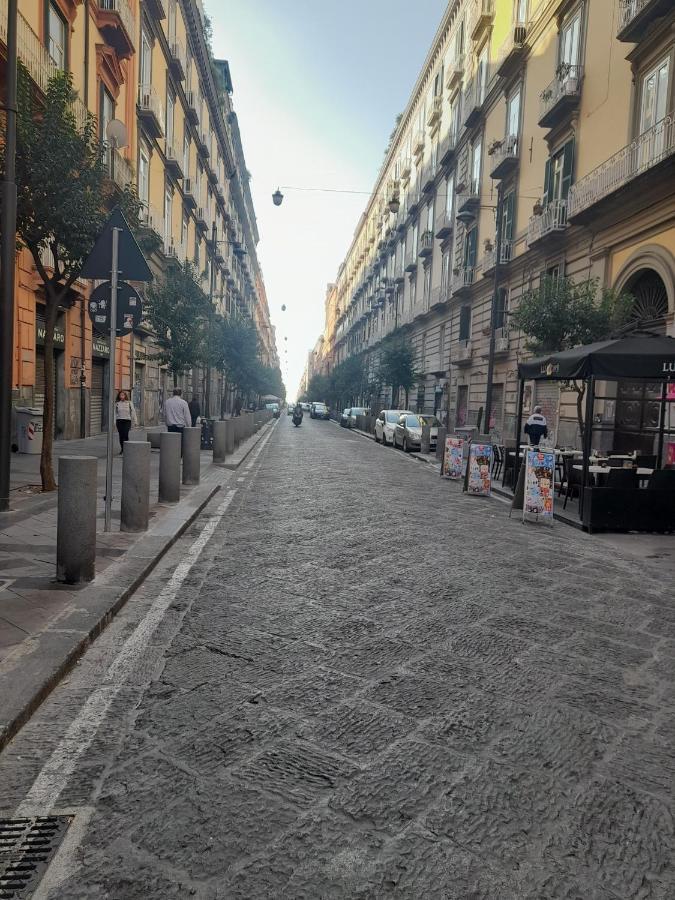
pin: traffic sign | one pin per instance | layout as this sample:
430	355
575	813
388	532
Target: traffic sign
129	308
132	264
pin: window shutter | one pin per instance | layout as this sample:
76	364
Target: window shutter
568	166
507	216
470	248
548	187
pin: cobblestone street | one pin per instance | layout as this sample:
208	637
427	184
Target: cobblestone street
366	684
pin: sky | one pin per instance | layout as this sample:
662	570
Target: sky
317	87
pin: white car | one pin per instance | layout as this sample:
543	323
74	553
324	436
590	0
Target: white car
385	424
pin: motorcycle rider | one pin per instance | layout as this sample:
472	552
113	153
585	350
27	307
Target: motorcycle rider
297	414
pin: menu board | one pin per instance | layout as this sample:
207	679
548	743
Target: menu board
539	485
453	458
479	480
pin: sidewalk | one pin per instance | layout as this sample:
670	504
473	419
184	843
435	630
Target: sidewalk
45	626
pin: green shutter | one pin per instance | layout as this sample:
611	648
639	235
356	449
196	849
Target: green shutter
548	187
507	216
568	167
471	247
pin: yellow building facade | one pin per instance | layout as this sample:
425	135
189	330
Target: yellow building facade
561	109
147	64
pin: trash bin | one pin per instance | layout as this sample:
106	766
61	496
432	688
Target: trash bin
29	429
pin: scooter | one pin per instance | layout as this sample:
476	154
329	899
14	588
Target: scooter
297	417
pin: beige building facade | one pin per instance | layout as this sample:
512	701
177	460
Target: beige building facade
561	110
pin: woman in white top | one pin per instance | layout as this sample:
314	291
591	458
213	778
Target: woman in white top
124	416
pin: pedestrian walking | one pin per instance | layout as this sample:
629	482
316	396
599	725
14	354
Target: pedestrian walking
125	415
195	410
237	406
536	427
177	412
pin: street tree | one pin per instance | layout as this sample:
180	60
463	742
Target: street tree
560	314
397	365
177	310
241	364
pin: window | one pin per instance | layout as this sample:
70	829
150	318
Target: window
438	83
430	217
172	20
554	271
445	270
184	228
501	307
441	349
186	154
459	41
57	29
145	71
570	40
170	104
513	120
415	236
482	74
427	284
465	323
449	195
454	116
476	162
470	248
106	116
434	156
558	173
143	176
168	215
654	99
508	206
521	12
413	290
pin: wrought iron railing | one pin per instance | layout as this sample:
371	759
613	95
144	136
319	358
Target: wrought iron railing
553	218
123	10
629	10
567	83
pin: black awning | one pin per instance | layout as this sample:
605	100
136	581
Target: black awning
638	356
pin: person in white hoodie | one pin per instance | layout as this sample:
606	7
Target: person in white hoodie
125	415
536	427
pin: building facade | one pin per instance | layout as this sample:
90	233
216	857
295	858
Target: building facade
147	64
559	112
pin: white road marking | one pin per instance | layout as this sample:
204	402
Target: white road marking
55	773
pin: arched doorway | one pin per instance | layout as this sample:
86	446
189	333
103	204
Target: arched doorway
638	403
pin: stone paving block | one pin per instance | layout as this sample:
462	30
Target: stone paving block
356	729
411	695
372	659
476	722
311	693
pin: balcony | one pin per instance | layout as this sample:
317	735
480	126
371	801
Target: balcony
463	354
175	254
203	144
446	151
177	60
152	220
150	110
462	280
552	220
502	341
490	256
172	161
445	224
561	97
418	144
413	201
482	15
512	51
411	259
190	193
406	167
468	201
504	157
426	244
193	107
455	73
200	217
156	8
637	16
474	97
119	169
428	177
641	161
434	116
116	22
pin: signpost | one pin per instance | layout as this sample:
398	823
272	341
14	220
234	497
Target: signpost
115	253
129	308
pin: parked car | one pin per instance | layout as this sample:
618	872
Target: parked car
289	409
276	409
319	411
408	431
344	417
386	422
354	412
304	407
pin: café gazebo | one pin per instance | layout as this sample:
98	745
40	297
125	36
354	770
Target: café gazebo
627	501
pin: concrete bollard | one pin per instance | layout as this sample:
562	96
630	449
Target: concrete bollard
425	442
76	519
135	486
220	430
440	443
169	467
192	445
229	436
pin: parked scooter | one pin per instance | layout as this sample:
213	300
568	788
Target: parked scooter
297	416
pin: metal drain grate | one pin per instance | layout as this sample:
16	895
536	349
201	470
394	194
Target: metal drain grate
26	849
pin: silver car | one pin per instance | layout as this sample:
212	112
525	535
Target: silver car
408	431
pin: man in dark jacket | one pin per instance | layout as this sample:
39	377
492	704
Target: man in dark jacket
536	427
195	410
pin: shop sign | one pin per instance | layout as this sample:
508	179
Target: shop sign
100	346
479	478
59	334
453	458
539	486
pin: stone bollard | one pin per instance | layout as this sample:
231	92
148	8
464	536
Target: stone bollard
440	443
169	467
220	430
425	442
76	519
229	437
192	446
135	486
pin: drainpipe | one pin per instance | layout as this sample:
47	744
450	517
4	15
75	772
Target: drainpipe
83	316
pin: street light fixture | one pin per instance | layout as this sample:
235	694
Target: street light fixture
277	197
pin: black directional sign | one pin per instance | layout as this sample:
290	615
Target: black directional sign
132	265
129	309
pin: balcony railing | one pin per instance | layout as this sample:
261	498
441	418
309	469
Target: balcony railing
635	17
411	259
32	53
504	157
445	223
468	198
552	220
490	256
119	169
150	109
561	96
644	153
193	106
446	151
463	279
153	219
178	59
455	73
123	11
482	15
426	243
418	144
434	114
474	97
463	353
512	50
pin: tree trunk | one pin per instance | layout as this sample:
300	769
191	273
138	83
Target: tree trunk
581	393
174	372
46	461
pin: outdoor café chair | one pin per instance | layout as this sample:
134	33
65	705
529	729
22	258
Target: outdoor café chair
574	479
622	478
497	461
662	480
647	461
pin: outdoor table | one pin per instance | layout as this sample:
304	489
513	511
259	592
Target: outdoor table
642	472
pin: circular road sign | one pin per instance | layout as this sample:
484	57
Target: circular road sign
129	308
